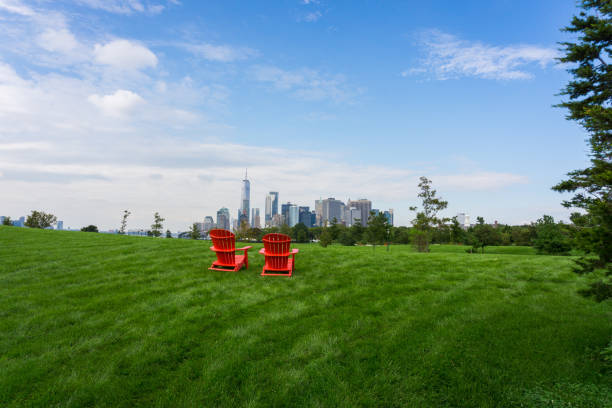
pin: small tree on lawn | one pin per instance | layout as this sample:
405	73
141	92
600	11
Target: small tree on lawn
356	231
7	221
90	228
427	218
124	218
194	232
483	235
378	228
325	238
168	234
40	219
157	226
457	233
334	229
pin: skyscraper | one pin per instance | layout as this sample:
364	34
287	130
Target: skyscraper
304	216
464	220
274	195
223	218
389	215
271	206
352	216
60	225
245	200
285	212
255	221
319	212
268	211
365	206
332	208
209	223
293	217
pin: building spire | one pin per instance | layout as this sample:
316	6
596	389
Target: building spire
246	173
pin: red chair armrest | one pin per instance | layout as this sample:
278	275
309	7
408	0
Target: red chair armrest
262	251
246	248
294	251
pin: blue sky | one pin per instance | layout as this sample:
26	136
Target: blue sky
160	105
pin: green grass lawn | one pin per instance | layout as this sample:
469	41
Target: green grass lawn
103	320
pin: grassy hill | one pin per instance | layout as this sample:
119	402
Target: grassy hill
103	320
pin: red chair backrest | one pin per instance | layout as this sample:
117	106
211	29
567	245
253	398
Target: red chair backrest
277	248
225	241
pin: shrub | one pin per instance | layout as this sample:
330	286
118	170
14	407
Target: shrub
325	239
346	238
551	237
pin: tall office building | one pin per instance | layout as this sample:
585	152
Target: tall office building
304	216
277	220
274	195
255	221
223	218
352	216
332	209
319	212
271	206
365	206
245	200
464	220
60	225
209	223
285	212
389	215
268	211
293	215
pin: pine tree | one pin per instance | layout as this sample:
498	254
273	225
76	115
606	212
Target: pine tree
589	103
156	227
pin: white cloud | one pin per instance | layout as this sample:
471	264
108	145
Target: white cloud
220	53
312	16
17	7
155	8
60	40
307	84
448	57
115	6
118	104
126	6
124	54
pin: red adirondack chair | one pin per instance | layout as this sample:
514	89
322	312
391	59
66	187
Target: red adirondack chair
277	252
224	245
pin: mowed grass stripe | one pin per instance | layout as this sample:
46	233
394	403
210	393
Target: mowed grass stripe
101	320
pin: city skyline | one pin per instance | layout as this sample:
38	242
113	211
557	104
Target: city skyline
292	213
